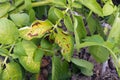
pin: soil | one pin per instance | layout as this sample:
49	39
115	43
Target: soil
102	71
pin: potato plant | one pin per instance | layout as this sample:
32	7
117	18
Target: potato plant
32	29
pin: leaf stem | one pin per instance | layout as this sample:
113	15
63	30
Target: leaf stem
10	50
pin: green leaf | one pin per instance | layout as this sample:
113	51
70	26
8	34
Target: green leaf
76	4
60	69
52	16
45	44
1	1
58	13
3	52
38	55
20	19
79	30
114	34
18	2
8	31
12	72
86	72
19	50
94	38
82	63
60	3
37	30
99	53
65	41
68	23
32	15
92	24
28	4
95	8
108	8
4	8
28	61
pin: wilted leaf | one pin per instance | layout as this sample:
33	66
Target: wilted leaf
37	30
65	41
12	72
8	31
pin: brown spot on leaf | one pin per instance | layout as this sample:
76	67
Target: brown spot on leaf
67	45
31	35
36	24
64	38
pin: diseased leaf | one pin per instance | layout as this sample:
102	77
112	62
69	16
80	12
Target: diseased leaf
12	72
8	31
20	19
28	61
37	30
65	41
4	8
60	69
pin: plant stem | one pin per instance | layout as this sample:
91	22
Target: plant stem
55	26
34	4
1	45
